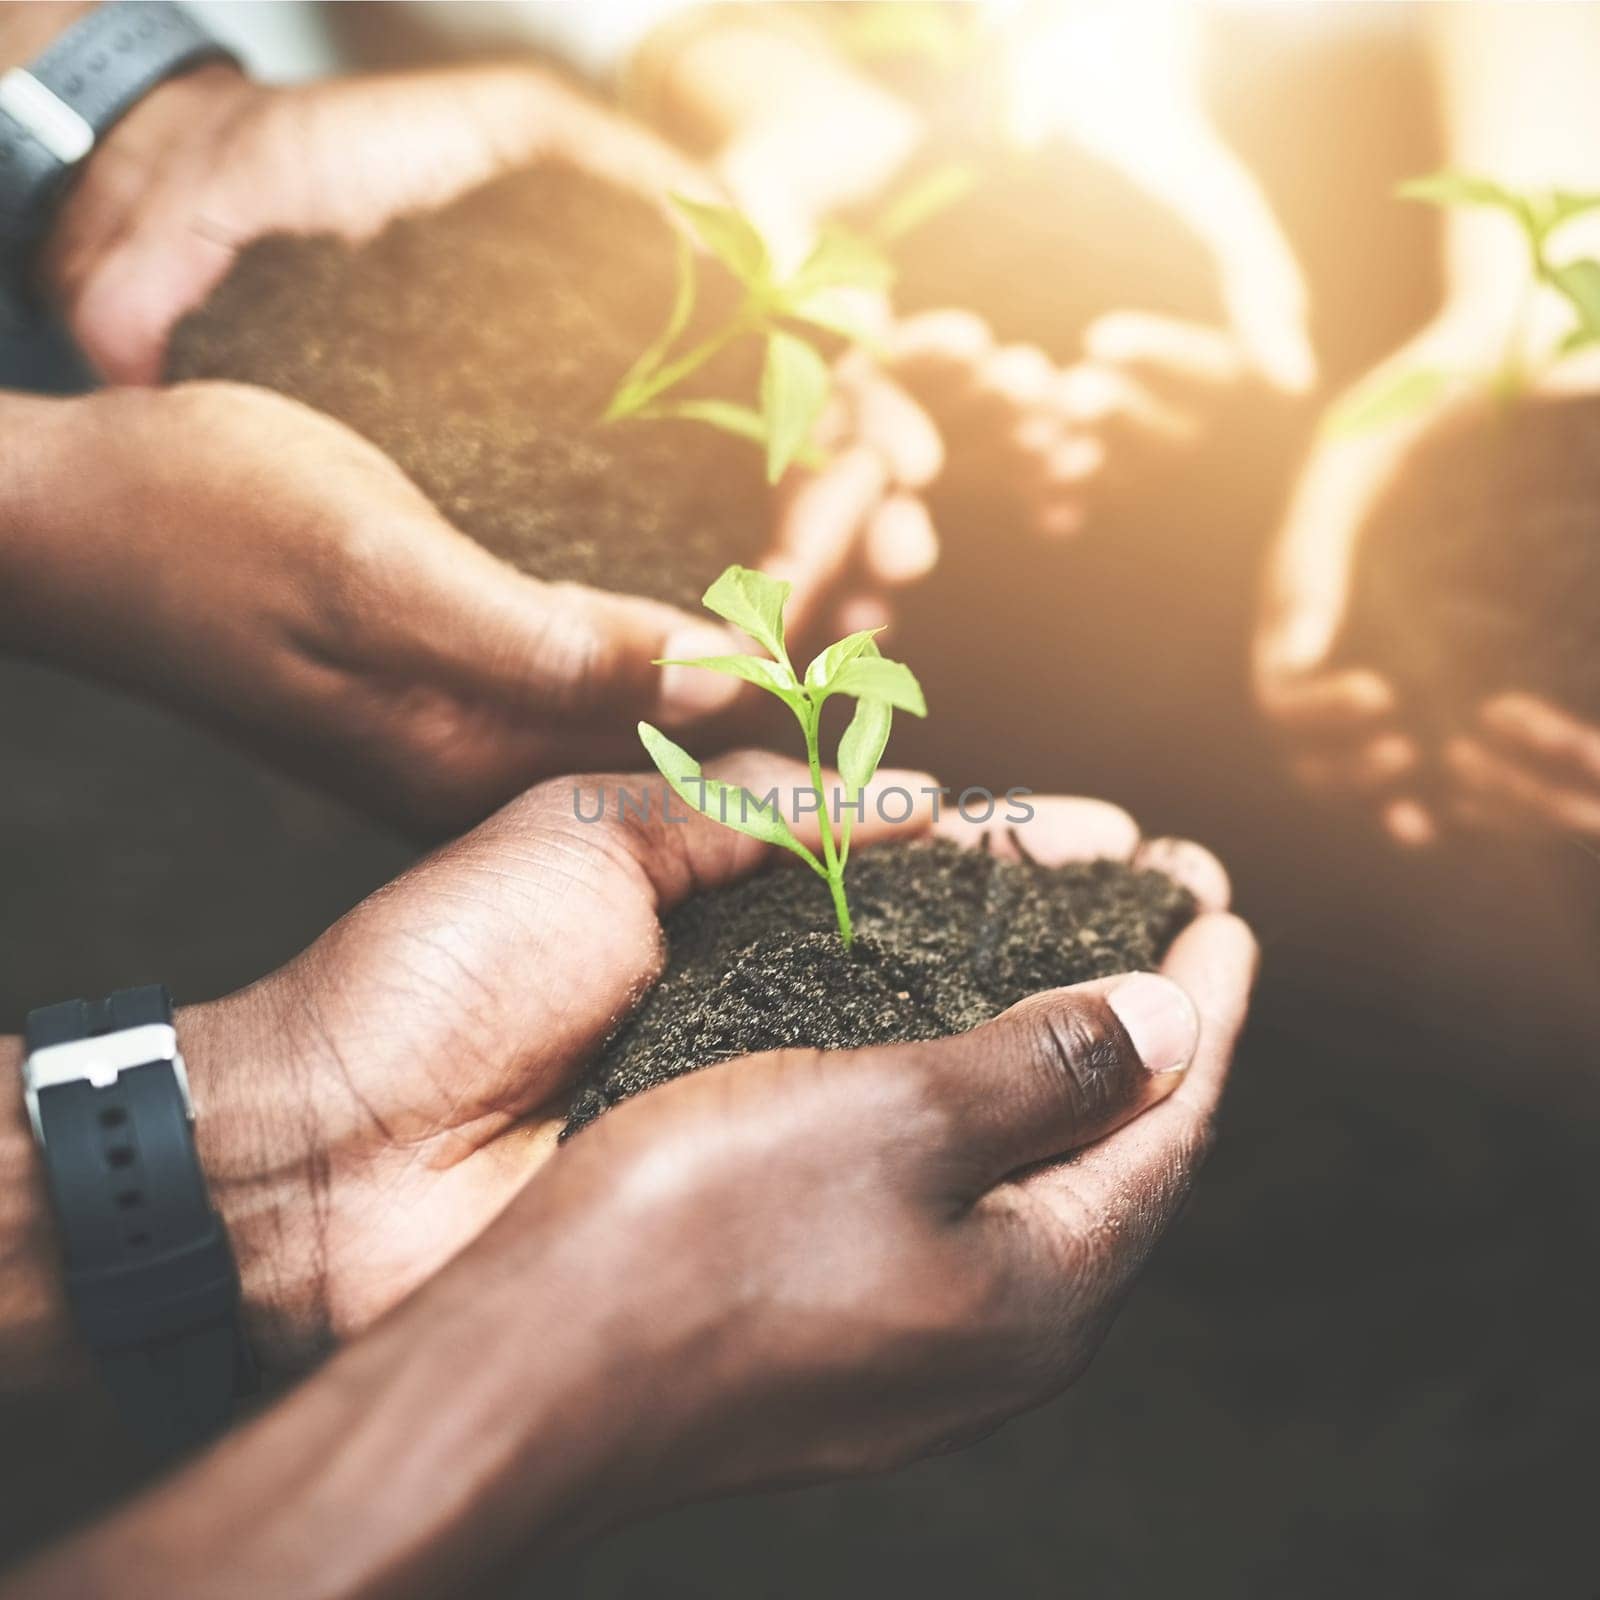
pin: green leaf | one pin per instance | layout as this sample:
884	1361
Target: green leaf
631	394
753	603
1561	205
770	675
825	666
731	237
839	259
743	421
1376	405
727	803
1461	189
872	677
794	389
834	310
1578	339
921	201
1579	281
862	745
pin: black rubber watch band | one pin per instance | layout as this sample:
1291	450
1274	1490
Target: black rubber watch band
55	110
149	1273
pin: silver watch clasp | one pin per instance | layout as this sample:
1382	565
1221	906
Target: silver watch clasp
99	1061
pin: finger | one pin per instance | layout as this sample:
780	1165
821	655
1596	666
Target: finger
1060	520
1409	823
1192	866
885	417
1309	583
1525	724
1519	790
1126	1189
1075	461
557	650
939	340
1089	396
1327	703
1364	768
901	544
1057	829
1019	376
820	519
1054	1072
1266	300
1155	348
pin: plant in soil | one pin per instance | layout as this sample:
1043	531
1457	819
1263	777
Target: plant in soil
783	311
477	345
933	938
853	668
1539	215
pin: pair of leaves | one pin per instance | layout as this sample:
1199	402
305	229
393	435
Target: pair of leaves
1539	213
853	666
754	603
1408	391
795	381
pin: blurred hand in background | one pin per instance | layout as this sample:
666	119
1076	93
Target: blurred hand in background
1517	88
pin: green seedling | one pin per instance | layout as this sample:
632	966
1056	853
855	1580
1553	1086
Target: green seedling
786	312
1539	214
853	668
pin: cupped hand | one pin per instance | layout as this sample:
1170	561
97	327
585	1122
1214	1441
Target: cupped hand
1526	767
809	1264
1342	723
211	161
370	1108
253	563
1521	762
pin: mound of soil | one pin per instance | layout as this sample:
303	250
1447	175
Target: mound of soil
478	346
945	939
1480	571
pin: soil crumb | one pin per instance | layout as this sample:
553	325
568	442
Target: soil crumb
945	939
478	346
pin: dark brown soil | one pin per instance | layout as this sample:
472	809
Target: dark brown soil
1481	570
478	346
945	939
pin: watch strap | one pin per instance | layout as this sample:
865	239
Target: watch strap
53	111
149	1274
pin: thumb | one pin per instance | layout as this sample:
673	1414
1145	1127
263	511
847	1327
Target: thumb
1055	1072
569	652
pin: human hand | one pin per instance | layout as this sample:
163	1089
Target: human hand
1057	439
211	161
793	1265
1346	732
409	1071
1527	766
1517	760
278	577
837	1262
367	1110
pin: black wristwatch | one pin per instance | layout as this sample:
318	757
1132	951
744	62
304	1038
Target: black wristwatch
53	111
149	1273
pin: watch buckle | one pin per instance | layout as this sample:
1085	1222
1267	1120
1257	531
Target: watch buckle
99	1061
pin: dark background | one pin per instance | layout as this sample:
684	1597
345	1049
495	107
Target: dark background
1364	1360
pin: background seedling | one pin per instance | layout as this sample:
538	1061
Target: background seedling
853	667
1539	213
784	311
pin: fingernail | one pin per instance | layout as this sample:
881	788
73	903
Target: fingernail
1160	1020
695	691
